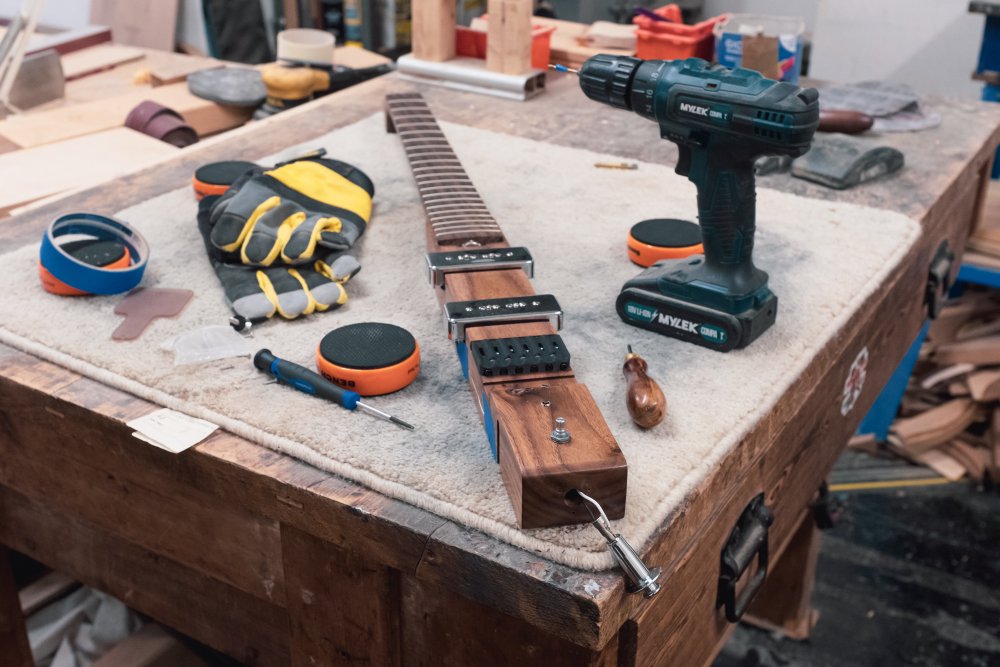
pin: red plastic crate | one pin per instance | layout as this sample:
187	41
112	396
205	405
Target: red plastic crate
472	43
671	40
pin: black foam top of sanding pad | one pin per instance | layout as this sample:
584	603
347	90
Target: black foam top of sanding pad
367	345
840	161
95	253
667	233
222	173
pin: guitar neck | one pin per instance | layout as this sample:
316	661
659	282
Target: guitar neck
517	365
455	212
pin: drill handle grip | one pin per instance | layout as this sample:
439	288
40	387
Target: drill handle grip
727	204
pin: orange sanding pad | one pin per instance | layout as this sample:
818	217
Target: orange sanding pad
371	358
215	178
650	241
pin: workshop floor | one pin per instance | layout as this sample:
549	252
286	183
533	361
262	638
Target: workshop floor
908	576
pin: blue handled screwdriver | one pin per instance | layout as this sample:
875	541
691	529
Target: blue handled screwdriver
309	382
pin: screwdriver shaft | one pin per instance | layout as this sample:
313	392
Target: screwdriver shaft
375	412
563	68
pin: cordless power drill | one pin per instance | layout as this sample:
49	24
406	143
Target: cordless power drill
722	120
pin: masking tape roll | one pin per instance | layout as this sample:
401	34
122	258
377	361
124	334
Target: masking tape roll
306	45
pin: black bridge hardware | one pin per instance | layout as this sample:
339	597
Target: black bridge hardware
518	356
532	308
748	539
826	508
440	264
938	280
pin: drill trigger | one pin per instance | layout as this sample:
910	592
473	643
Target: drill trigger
683	160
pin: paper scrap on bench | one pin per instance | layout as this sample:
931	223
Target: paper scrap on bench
170	430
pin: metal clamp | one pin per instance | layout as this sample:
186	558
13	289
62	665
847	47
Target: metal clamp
440	264
826	509
535	308
747	539
640	578
938	280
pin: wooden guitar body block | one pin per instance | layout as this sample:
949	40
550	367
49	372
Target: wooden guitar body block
519	408
539	476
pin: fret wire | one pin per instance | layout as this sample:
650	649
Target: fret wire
465	202
429	133
464	228
463	189
462	222
455	163
454	219
453	206
465	197
458	215
482	235
419	150
454	224
443	170
437	182
446	177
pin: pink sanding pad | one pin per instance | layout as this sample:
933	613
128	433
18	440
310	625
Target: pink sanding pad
143	305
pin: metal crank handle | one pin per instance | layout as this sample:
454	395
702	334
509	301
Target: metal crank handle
640	578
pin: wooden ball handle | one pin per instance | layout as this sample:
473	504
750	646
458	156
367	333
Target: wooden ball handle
645	400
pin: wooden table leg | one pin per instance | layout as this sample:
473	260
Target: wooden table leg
342	609
784	602
13	636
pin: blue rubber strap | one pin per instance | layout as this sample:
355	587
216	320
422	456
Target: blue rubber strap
86	277
350	400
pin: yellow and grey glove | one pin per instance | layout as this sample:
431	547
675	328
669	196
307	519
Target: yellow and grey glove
278	238
281	215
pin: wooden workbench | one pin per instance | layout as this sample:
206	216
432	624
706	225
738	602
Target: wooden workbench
273	561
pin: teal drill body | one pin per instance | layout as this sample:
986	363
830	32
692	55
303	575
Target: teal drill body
722	120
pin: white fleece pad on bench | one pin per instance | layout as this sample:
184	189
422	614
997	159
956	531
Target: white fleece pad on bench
824	259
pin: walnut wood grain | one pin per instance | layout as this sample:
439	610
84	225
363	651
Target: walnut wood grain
789	452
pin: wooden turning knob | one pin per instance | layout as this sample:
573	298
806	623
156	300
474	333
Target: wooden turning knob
645	400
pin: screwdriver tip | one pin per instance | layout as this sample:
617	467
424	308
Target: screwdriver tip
400	422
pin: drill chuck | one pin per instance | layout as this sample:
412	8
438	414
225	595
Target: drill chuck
608	79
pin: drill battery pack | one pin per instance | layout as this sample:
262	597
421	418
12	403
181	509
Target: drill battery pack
714	329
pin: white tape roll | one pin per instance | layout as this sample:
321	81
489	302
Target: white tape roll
306	45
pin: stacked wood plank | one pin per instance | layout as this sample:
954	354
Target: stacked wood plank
984	244
950	416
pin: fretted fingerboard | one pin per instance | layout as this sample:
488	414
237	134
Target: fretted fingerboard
455	211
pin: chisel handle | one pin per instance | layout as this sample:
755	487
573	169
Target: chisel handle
305	380
844	121
644	399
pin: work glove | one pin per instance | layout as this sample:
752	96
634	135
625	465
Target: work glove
278	238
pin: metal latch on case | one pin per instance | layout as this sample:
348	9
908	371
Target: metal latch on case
747	539
534	308
938	280
439	264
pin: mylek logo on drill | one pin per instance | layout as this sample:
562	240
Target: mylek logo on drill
678	323
694	109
